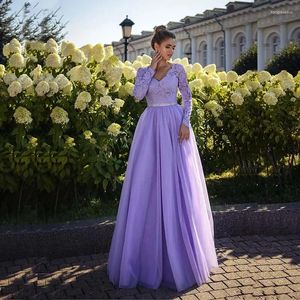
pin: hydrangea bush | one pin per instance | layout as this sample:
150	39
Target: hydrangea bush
67	117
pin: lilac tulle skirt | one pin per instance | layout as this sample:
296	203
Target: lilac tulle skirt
164	232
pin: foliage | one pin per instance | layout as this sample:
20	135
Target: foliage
288	59
67	117
246	61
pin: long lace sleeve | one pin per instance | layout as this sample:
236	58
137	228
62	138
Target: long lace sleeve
186	96
142	81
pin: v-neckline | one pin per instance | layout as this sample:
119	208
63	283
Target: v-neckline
164	75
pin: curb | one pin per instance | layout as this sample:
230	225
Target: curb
86	237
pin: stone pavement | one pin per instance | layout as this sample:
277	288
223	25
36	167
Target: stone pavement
250	267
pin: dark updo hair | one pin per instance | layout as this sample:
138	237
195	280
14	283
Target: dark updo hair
161	33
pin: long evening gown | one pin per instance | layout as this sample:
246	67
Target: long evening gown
164	231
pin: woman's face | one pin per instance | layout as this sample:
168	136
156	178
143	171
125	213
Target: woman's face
166	48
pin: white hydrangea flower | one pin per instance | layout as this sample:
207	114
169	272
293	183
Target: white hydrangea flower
82	100
70	142
88	51
42	88
197	68
243	90
209	69
51	46
80	74
6	50
253	85
25	81
114	129
13	46
80	104
87	134
232	76
204	77
214	107
33	141
36	73
67	48
98	52
113	75
17	61
67	90
277	90
14	88
8	78
46	77
62	81
116	109
85	96
129	72
213	81
137	64
196	84
2	70
22	115
109	51
297	92
237	98
53	88
222	75
146	59
129	87
119	102
106	101
54	61
270	98
263	76
15	43
100	87
78	56
285	79
36	45
30	91
184	61
59	115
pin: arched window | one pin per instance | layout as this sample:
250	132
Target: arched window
204	54
241	44
188	52
221	52
275	44
296	36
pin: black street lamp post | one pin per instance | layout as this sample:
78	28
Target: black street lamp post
126	29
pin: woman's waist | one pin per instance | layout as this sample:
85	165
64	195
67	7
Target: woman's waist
161	103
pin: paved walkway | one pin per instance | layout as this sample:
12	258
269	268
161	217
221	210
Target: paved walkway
251	267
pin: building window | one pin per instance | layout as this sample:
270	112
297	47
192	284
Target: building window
296	36
275	45
188	52
242	44
204	54
221	53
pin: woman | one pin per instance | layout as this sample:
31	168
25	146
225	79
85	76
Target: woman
164	231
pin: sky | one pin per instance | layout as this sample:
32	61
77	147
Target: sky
97	21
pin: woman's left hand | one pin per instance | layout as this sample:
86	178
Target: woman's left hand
184	132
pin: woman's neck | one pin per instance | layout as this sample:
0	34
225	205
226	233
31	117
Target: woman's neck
163	63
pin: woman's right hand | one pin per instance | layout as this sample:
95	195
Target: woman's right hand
155	60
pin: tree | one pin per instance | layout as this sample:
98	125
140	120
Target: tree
288	59
247	61
7	28
25	25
